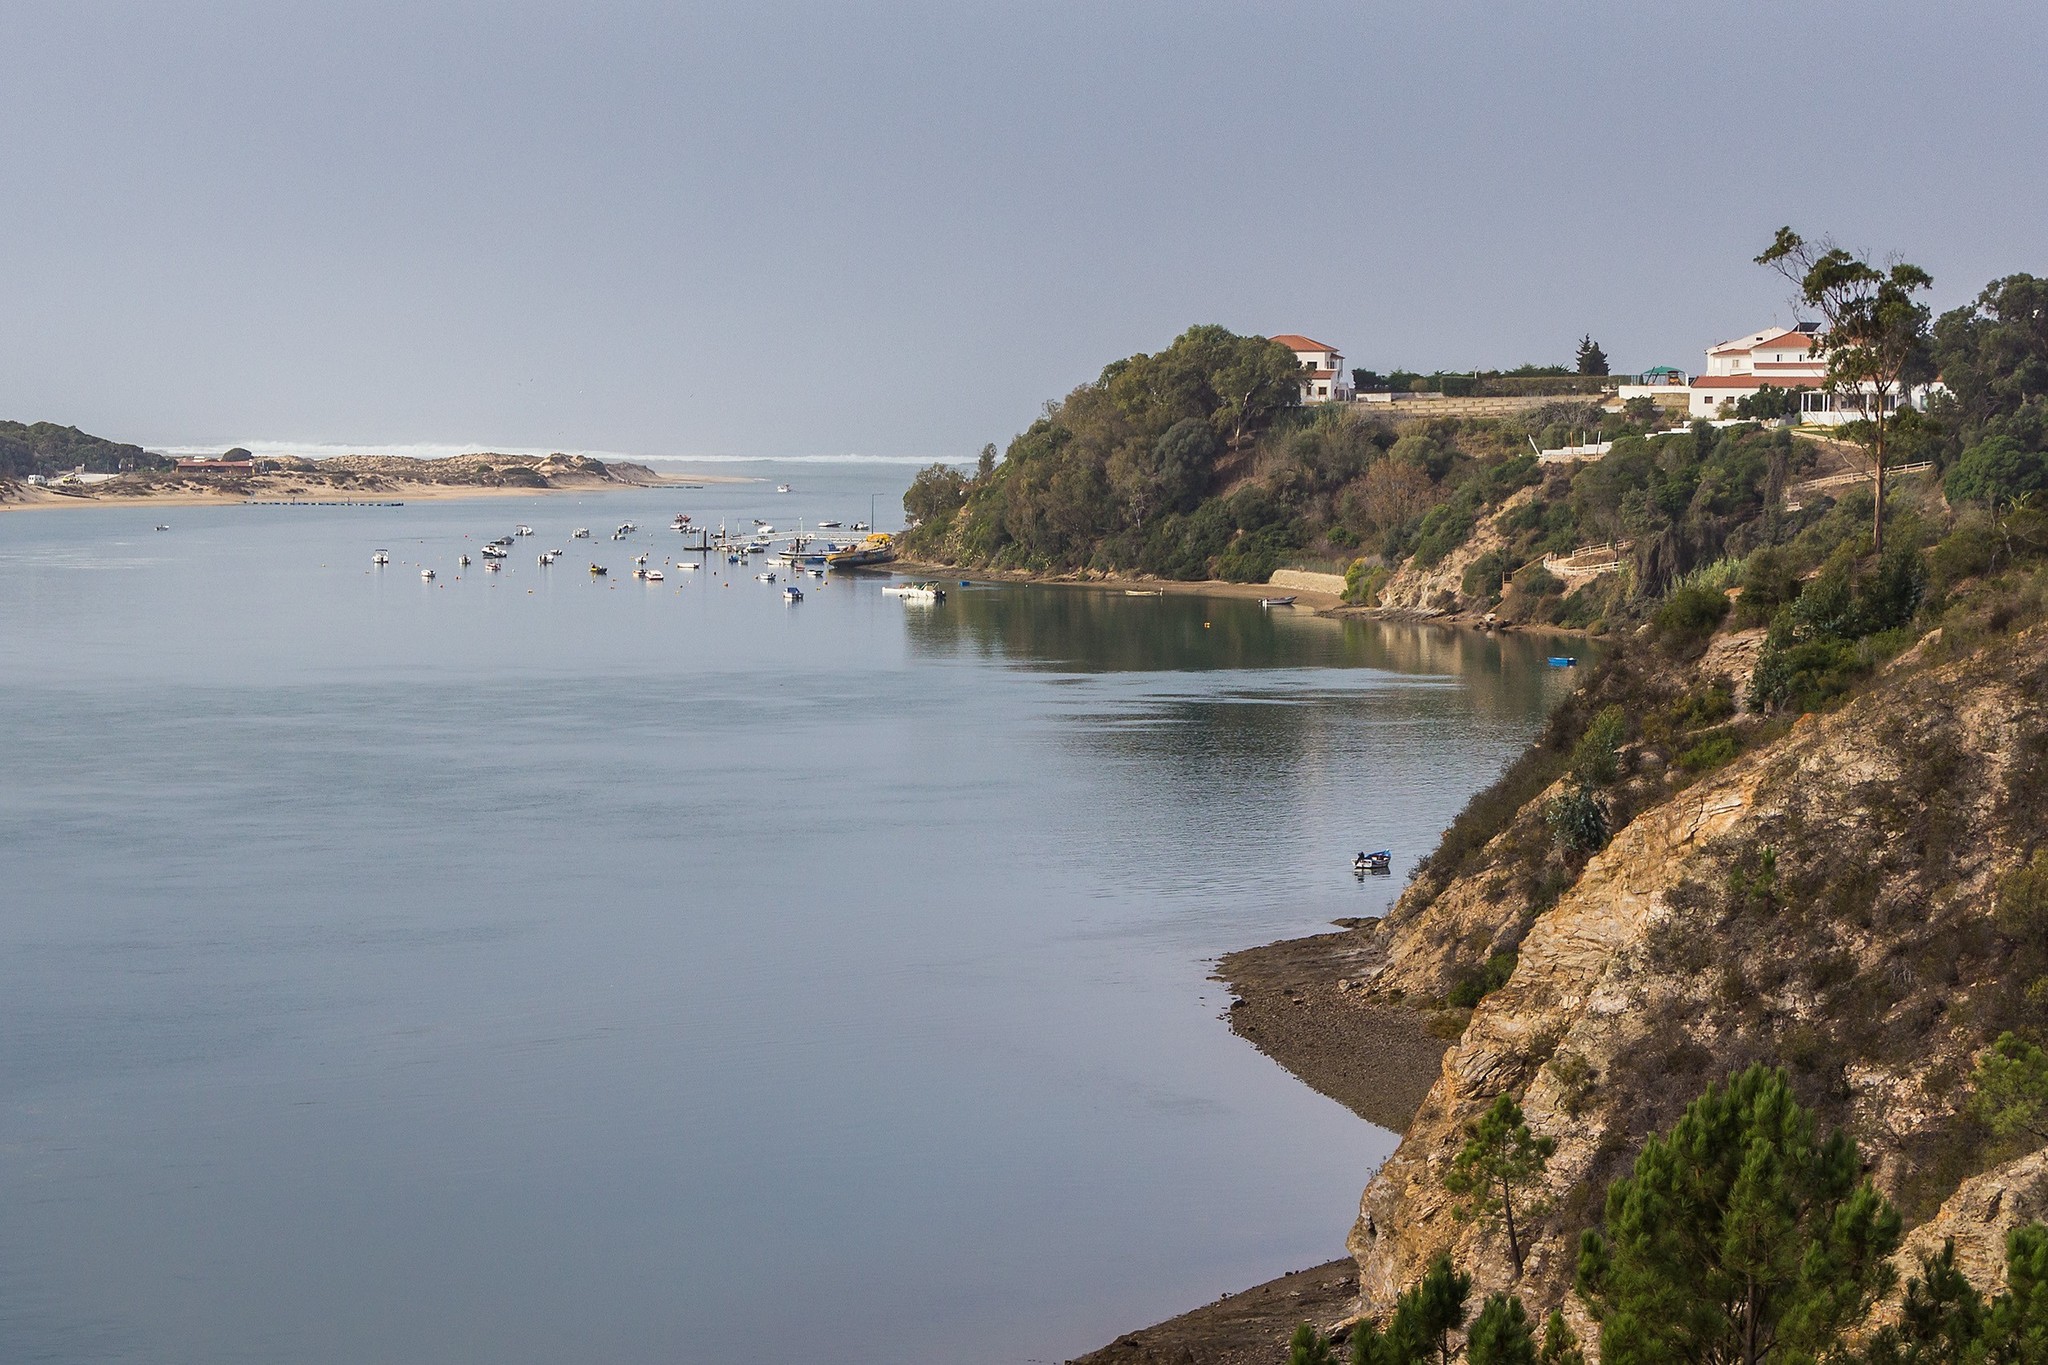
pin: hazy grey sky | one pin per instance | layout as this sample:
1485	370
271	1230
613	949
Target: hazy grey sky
896	229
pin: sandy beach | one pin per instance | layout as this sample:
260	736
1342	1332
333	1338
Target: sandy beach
270	488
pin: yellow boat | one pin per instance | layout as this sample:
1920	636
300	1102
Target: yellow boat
878	548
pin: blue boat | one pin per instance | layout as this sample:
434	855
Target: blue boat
1379	864
1563	661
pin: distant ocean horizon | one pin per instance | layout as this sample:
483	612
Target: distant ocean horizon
430	450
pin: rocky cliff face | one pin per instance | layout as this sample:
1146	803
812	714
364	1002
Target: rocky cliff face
1824	903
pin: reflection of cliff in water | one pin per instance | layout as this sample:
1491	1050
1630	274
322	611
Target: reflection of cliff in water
1264	740
1082	630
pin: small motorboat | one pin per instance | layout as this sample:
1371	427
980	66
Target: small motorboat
860	526
495	551
426	573
161	527
381	557
1143	592
784	488
652	575
641	560
580	533
690	567
915	592
522	530
546	557
463	560
492	566
597	571
822	526
1276	601
815	573
792	593
768	577
1564	661
1373	864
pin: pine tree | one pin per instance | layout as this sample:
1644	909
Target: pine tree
1592	360
1738	1236
1500	1156
1560	1343
1426	1315
1500	1334
1941	1320
2017	1325
1370	1346
1309	1347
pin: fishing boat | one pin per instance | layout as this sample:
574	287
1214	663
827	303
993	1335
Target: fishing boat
580	533
640	559
597	571
768	577
381	557
522	530
1276	601
875	549
792	593
492	566
1376	864
462	560
495	551
426	573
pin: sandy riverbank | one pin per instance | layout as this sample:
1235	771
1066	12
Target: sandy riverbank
274	489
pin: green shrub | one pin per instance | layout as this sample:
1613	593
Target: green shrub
1596	757
1710	752
1689	616
1577	820
1476	986
2022	907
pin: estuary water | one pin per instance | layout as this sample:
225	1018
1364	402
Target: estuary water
528	967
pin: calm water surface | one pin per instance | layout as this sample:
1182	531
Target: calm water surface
527	968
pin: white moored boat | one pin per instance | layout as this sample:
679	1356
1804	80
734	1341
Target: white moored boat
426	573
916	592
381	557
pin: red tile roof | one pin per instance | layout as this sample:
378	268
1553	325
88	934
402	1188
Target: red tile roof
1757	381
1295	342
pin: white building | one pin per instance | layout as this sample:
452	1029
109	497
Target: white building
1781	356
1323	378
1787	358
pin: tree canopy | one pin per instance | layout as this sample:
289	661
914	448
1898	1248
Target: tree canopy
1739	1236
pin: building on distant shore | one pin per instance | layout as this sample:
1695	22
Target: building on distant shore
1323	379
1785	358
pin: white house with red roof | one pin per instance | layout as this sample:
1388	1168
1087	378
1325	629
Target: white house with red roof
1786	357
1323	379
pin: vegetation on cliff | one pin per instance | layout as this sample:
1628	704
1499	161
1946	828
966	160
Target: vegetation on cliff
1198	462
1787	844
48	449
